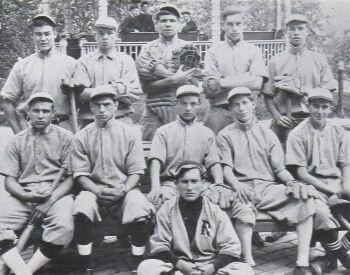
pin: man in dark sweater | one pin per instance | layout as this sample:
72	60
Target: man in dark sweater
193	235
190	25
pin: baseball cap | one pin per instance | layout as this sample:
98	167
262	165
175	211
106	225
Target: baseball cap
106	22
187	90
296	18
188	164
170	8
43	95
102	90
45	17
320	93
239	91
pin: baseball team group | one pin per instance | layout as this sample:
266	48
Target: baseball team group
208	179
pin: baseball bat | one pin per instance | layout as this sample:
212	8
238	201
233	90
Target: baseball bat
73	109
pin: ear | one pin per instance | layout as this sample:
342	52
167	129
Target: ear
116	104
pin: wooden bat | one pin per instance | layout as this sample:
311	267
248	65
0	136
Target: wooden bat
73	109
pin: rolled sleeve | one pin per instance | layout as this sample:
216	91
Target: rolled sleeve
224	148
158	148
10	161
66	155
327	79
13	88
130	77
211	156
269	89
81	165
296	152
211	66
146	62
135	161
344	150
276	154
81	75
257	66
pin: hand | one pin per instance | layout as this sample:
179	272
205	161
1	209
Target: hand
244	193
34	197
40	211
183	77
225	196
187	268
207	269
289	84
106	199
117	192
285	121
155	195
302	191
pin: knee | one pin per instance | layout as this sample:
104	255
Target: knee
153	267
84	202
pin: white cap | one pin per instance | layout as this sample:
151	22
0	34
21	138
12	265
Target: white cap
106	22
188	90
320	93
43	95
239	91
102	90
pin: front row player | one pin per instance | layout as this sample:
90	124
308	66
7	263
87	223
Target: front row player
253	160
193	235
38	180
107	164
320	153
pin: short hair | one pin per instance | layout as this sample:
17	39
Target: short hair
40	23
132	7
165	12
231	11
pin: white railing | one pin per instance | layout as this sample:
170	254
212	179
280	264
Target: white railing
268	47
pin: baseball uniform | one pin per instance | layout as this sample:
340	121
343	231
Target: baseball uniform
225	59
39	73
211	236
34	159
108	155
256	156
95	69
160	107
179	141
310	68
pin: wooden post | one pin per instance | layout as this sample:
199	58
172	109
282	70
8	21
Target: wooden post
278	18
44	7
287	9
339	109
102	8
215	20
67	13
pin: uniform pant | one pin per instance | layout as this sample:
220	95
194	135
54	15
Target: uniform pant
218	117
154	117
155	267
57	224
283	132
134	207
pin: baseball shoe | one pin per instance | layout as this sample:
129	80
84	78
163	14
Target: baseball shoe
321	265
302	270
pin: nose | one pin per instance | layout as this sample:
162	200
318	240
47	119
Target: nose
40	114
102	109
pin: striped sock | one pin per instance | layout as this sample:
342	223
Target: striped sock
346	242
333	246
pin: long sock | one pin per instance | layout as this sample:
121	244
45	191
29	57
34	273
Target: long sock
345	241
14	261
139	236
244	233
83	233
37	261
304	231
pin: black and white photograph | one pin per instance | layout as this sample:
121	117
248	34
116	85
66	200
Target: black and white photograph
174	137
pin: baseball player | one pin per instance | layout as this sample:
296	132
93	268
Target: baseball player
45	70
107	164
320	151
228	64
253	165
35	185
292	74
159	74
182	139
107	66
193	235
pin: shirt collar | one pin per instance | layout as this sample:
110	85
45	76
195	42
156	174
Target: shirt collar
245	126
296	50
47	130
232	44
183	123
111	55
312	127
51	52
108	124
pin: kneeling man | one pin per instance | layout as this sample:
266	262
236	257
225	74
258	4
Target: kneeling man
107	164
192	234
37	171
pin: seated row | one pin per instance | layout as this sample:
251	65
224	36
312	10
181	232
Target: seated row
243	172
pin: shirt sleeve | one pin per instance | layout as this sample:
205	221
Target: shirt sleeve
269	89
327	79
295	151
211	156
257	66
344	150
67	150
158	147
146	62
211	67
13	88
224	148
130	77
81	165
10	160
276	153
81	75
135	161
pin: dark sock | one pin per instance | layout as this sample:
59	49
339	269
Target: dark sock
83	233
6	245
50	250
138	233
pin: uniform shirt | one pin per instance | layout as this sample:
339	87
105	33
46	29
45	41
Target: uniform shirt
108	155
214	233
40	73
251	150
323	152
309	67
157	52
95	69
33	157
225	59
178	141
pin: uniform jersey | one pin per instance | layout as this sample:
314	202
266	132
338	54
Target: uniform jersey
179	141
108	155
214	233
39	73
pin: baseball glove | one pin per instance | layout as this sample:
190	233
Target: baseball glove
188	56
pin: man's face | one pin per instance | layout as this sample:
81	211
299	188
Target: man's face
297	33
44	38
186	17
103	108
105	38
233	27
167	25
190	185
145	8
135	12
40	114
188	107
243	108
319	109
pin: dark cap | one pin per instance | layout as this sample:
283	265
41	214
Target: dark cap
40	95
296	18
45	17
170	8
101	91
